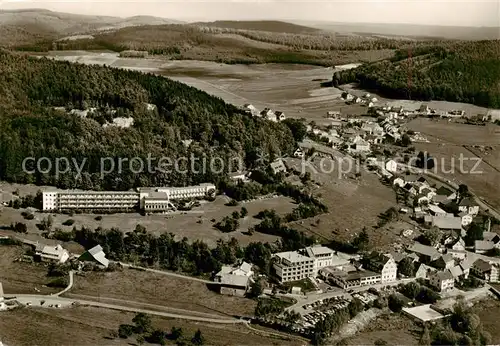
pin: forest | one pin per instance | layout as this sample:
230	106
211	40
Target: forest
192	42
36	94
466	72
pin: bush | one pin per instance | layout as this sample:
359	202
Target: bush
395	303
125	330
68	222
61	282
98	218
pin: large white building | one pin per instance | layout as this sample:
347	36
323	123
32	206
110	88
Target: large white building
189	191
296	265
292	266
322	256
148	199
66	200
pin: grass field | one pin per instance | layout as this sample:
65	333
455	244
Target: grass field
352	203
21	277
447	142
157	289
93	326
194	225
395	329
488	311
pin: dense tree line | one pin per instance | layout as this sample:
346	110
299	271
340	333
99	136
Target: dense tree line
30	126
316	41
459	71
165	252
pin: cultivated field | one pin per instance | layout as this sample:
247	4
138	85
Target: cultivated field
94	326
21	277
159	289
450	143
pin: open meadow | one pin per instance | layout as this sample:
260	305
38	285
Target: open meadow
158	289
20	277
353	203
466	154
90	326
195	225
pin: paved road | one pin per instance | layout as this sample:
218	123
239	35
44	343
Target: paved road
482	203
36	299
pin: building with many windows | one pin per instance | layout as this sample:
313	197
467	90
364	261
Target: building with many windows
148	199
292	266
90	200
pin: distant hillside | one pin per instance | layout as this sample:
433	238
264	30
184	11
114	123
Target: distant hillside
263	25
31	25
191	42
410	30
457	71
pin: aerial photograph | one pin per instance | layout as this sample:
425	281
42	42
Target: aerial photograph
249	172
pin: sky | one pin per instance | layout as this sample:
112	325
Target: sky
427	12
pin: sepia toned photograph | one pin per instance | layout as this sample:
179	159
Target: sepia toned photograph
249	172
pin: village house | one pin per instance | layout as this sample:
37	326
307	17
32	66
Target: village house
424	271
442	280
280	116
53	254
250	109
359	145
398	181
487	271
484	246
235	281
383	264
447	193
333	114
425	253
444	262
299	153
448	224
95	255
434	210
372	128
278	166
467	205
268	114
457	249
493	237
466	218
424	110
392	166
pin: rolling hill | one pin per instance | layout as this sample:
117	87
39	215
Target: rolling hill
262	25
31	25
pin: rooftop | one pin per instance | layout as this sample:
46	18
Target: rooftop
447	222
292	256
